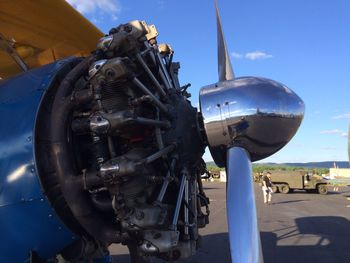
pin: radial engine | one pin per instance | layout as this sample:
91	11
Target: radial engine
119	146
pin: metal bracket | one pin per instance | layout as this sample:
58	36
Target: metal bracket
7	46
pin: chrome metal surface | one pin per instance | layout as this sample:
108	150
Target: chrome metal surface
159	241
156	101
186	208
150	74
179	201
159	154
243	229
96	66
224	63
109	169
98	124
258	114
105	42
148	248
165	184
153	57
162	66
168	178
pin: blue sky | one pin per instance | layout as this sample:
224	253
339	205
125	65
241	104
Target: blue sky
303	44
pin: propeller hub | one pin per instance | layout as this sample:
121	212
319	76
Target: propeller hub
257	114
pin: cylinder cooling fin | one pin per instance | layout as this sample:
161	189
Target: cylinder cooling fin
119	148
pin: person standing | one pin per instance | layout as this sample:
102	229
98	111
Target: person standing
266	188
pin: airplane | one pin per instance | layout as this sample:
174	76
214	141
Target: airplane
99	143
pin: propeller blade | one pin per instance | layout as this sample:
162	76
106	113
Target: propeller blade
224	62
243	229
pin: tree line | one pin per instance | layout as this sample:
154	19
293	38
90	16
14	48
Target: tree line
258	168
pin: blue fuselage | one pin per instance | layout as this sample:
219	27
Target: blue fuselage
27	221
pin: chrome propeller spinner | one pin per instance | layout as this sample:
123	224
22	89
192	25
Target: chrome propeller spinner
246	119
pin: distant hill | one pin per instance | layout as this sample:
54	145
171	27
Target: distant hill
328	164
210	163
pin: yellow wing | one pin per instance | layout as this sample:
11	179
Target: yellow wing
38	32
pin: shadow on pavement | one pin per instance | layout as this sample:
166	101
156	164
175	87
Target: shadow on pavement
318	239
210	188
214	248
333	193
321	239
290	201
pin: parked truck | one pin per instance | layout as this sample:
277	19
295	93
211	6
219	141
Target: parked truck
287	181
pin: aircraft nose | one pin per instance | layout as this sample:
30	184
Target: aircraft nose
257	114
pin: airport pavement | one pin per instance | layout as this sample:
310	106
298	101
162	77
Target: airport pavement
298	227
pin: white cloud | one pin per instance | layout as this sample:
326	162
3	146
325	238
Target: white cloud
114	17
97	7
342	116
328	148
236	55
257	55
161	4
334	131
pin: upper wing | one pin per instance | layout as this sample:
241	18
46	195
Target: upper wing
34	33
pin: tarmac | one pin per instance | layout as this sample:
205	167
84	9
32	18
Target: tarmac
298	227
